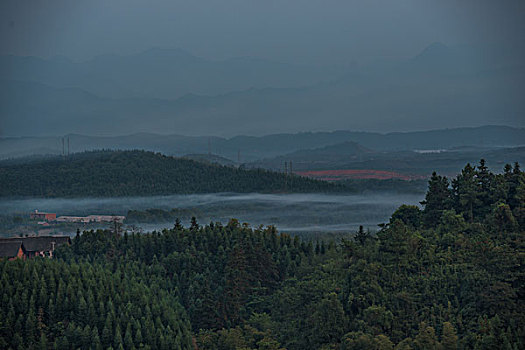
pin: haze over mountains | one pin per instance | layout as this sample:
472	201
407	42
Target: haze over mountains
161	73
174	92
414	154
252	148
414	164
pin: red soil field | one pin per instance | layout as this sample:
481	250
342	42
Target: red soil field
343	174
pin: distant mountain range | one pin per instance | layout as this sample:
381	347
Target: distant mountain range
318	157
332	160
160	74
251	148
170	91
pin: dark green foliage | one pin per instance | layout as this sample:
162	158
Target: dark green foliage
135	173
478	195
409	214
436	200
47	302
448	277
221	273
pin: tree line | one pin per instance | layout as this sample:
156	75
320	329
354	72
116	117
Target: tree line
141	173
448	276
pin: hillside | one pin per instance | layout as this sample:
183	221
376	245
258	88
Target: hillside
322	157
139	173
210	159
410	163
448	276
348	149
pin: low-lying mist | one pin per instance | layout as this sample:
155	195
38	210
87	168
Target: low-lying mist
294	213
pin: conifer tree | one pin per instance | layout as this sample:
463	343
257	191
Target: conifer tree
466	193
449	339
436	200
426	338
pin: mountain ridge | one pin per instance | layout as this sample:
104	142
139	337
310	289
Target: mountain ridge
257	147
468	88
139	173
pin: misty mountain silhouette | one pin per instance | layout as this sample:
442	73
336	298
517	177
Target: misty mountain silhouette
160	73
442	86
252	148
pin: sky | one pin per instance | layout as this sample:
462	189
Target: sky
318	65
298	31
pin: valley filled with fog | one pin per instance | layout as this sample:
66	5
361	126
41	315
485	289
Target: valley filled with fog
262	175
293	213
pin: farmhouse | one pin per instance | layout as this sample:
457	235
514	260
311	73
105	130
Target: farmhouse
12	250
36	215
31	246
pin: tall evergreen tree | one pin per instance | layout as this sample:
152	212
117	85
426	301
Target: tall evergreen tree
466	192
436	200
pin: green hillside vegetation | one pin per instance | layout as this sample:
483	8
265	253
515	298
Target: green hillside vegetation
449	276
140	173
67	305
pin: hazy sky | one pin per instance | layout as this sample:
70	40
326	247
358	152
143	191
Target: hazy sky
307	31
476	78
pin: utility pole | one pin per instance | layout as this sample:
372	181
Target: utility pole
209	146
68	146
116	226
63	148
285	176
291	175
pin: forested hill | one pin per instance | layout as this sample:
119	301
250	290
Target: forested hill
140	173
449	276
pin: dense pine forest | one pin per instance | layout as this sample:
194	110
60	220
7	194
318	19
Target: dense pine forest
140	173
447	276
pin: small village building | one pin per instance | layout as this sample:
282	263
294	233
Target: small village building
12	250
79	219
106	218
36	215
91	218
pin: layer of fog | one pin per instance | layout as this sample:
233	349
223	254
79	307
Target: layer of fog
292	213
